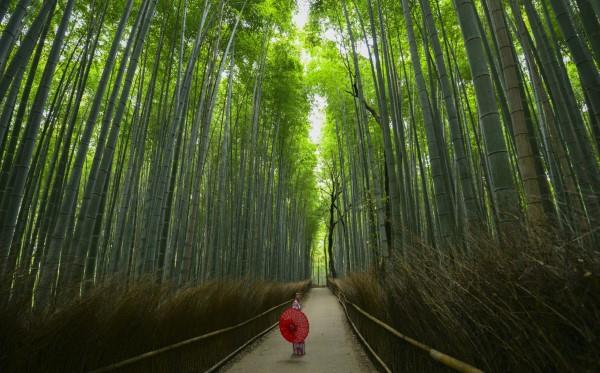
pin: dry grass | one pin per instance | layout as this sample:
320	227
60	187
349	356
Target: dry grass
112	323
527	309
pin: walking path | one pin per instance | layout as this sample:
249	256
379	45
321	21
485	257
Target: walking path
330	346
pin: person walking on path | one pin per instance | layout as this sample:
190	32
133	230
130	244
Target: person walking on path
298	347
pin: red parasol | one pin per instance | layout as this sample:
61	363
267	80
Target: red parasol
293	325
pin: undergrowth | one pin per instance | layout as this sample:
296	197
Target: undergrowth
113	323
527	308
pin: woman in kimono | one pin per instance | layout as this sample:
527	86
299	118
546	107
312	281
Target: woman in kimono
298	347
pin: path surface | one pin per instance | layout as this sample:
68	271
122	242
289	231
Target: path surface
330	346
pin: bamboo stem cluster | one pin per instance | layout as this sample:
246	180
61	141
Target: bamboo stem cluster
459	120
146	139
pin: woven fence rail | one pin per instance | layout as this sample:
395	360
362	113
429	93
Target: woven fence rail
204	353
392	350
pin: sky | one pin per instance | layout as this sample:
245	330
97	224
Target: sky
317	111
316	118
301	16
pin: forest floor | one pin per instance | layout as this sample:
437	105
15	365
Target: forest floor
330	346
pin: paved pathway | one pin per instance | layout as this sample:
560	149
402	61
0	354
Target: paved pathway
330	346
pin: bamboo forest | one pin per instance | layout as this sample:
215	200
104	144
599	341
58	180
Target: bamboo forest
425	172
